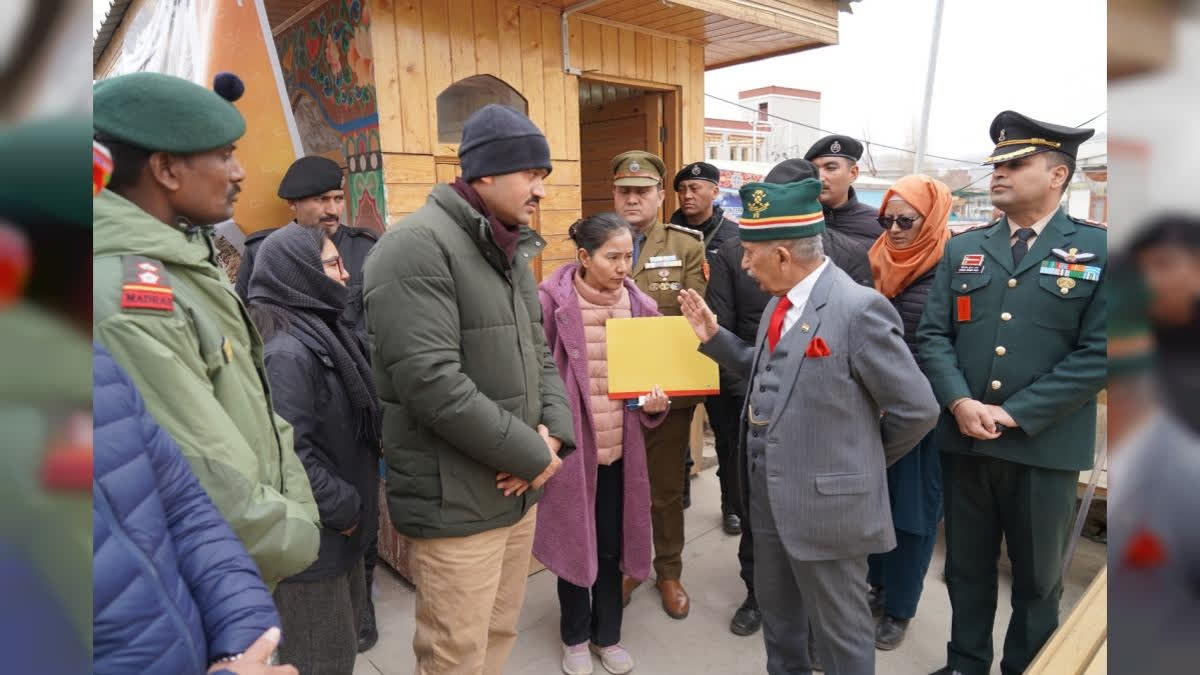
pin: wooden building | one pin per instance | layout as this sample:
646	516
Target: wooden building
385	85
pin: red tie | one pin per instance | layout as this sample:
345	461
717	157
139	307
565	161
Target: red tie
775	328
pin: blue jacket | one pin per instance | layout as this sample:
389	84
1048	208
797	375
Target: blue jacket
172	586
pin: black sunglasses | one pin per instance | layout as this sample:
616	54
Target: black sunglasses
905	222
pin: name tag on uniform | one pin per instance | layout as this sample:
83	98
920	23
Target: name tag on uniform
971	264
663	258
1061	269
652	265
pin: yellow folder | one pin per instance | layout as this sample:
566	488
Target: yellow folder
661	351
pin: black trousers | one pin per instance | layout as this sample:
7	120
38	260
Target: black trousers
595	614
320	622
724	411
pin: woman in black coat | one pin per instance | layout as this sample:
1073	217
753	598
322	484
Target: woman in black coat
914	216
321	382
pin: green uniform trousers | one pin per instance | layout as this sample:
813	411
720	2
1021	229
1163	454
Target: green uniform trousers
666	446
1031	508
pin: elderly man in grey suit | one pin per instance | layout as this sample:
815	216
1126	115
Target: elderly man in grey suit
835	398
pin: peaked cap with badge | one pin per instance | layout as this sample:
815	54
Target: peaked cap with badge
160	112
698	171
310	176
1017	135
638	168
835	145
771	212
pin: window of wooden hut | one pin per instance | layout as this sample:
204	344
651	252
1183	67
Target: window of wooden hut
459	100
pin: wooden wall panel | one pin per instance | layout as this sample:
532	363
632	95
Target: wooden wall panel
436	40
509	16
387	78
531	64
462	39
487	38
553	85
418	138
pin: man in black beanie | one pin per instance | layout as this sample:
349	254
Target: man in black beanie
475	419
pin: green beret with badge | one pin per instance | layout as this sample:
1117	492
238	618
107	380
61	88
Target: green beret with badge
163	113
771	212
638	168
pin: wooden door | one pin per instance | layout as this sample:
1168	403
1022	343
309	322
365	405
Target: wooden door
607	130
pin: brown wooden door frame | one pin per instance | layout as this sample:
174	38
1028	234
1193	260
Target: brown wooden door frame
668	118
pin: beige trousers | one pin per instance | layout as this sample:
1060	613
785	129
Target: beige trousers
469	596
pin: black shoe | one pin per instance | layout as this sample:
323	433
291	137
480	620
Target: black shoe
946	671
747	619
889	633
368	634
731	524
875	600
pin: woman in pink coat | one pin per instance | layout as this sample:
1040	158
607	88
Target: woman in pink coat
593	522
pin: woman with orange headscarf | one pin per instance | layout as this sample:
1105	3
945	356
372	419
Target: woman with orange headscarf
914	218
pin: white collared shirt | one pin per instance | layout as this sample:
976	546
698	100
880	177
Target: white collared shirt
799	297
1036	227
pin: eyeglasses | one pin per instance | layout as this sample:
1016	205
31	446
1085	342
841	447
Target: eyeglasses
905	222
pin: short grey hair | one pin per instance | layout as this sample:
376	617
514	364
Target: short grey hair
807	249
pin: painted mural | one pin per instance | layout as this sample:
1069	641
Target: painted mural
329	71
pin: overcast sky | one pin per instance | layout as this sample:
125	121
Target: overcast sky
1043	58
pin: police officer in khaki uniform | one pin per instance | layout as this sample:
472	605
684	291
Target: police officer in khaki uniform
666	259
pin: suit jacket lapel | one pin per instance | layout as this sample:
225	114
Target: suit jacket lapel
1054	235
797	340
996	245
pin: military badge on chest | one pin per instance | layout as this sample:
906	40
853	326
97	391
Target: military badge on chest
971	264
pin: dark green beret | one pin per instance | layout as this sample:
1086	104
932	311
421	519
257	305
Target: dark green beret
771	211
164	113
45	173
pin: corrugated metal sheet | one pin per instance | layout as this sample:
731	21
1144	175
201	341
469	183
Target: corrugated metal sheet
107	26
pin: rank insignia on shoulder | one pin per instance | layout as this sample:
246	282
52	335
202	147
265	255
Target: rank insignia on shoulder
145	285
1072	255
686	230
1089	223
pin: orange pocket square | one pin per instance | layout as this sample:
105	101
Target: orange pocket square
817	348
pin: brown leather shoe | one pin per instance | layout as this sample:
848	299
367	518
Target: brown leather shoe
675	600
628	584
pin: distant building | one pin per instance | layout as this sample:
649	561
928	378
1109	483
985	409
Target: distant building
761	134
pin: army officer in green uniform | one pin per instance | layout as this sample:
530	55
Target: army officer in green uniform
166	311
666	259
1013	342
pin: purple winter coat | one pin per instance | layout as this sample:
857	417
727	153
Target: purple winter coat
565	541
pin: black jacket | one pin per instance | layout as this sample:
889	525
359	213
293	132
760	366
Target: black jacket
738	302
858	228
717	230
910	303
353	244
342	469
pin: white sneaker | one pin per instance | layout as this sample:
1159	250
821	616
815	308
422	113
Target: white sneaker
577	660
615	659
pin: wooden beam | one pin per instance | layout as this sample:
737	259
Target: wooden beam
789	21
295	18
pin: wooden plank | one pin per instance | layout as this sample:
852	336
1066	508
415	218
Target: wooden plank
560	246
509	16
611	55
571	90
531	65
693	132
791	22
447	172
553	84
406	197
438	74
462	39
658	59
1099	664
408	169
672	150
389	102
593	46
487	38
556	222
563	198
683	76
410	66
627	57
1072	648
608	111
643	56
565	173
